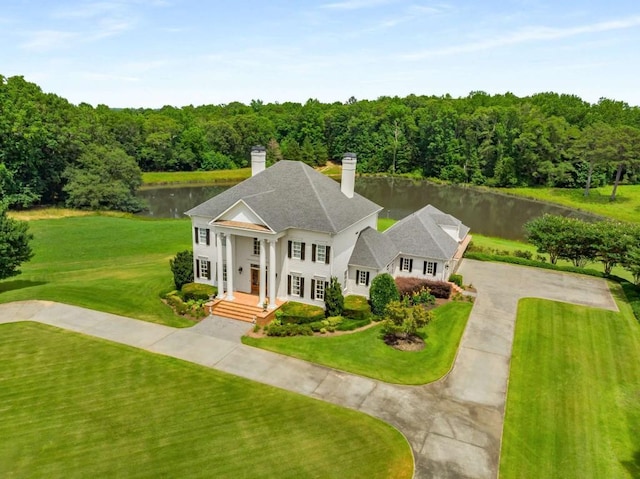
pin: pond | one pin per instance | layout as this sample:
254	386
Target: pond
486	213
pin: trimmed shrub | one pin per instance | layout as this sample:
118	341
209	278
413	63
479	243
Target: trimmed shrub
456	279
300	313
182	268
281	330
333	298
383	290
356	308
176	303
523	254
409	286
198	291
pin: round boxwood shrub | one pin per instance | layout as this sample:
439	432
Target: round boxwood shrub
198	291
383	290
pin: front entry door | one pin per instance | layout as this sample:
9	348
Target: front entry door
255	280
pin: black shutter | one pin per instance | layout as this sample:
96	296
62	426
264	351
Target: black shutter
208	240
302	251
313	289
326	287
302	287
367	279
195	234
197	267
435	268
424	268
208	269
410	265
289	282
289	249
327	254
313	252
357	276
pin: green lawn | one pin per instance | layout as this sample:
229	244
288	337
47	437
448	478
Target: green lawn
175	177
366	354
573	408
77	407
118	265
385	223
626	207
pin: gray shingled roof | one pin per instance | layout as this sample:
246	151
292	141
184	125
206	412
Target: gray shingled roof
373	250
419	234
291	194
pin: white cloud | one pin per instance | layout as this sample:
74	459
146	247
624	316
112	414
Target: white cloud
527	34
355	4
46	40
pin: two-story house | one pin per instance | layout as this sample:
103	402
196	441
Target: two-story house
284	232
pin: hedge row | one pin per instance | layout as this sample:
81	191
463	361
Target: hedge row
356	308
299	313
408	286
198	291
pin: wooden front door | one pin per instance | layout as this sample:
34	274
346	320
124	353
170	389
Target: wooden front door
255	280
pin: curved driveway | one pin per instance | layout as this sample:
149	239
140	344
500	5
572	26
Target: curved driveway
454	425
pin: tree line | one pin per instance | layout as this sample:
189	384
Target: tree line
52	151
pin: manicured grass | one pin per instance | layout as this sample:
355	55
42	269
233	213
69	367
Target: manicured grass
573	408
511	246
385	223
366	354
174	177
118	265
78	407
626	207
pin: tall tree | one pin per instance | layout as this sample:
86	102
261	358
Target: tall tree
14	244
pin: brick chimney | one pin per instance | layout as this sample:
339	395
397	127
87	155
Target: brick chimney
258	159
348	182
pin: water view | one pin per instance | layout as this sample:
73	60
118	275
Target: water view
486	213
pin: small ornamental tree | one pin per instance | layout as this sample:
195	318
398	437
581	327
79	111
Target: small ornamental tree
182	268
333	298
14	244
402	322
383	290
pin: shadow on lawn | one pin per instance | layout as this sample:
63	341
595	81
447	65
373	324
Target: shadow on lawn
19	284
633	466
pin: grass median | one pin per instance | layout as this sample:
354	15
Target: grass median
366	354
572	406
78	407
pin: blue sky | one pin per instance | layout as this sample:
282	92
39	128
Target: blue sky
149	53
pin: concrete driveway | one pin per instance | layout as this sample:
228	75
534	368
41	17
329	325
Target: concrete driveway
454	425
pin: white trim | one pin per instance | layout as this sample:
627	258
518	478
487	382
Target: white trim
212	222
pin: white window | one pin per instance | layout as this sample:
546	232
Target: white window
319	292
362	277
296	249
224	271
203	234
203	264
295	285
405	264
256	246
321	253
429	267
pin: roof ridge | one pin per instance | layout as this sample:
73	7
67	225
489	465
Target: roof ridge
318	196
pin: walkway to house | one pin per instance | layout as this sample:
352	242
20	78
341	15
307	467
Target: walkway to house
454	425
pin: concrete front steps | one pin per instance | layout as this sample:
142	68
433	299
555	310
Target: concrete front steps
242	312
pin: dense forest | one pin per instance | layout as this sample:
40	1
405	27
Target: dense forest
52	151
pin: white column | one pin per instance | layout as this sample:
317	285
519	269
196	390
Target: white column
230	239
219	265
272	274
263	270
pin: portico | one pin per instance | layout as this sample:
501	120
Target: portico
244	249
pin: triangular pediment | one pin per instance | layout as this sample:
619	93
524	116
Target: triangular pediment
241	215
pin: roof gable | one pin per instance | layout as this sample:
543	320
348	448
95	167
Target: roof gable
240	212
291	194
420	234
373	250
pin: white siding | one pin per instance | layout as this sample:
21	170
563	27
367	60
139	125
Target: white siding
202	250
442	272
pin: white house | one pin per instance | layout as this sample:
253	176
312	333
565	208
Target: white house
284	232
